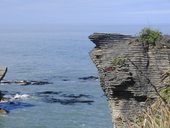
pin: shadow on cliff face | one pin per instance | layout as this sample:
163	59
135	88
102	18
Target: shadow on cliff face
64	99
120	91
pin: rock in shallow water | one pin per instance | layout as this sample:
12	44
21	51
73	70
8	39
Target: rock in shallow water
48	93
3	111
26	82
67	101
88	78
64	99
7	106
75	96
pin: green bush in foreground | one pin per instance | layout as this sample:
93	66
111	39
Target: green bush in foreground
149	36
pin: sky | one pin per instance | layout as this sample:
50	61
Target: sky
81	12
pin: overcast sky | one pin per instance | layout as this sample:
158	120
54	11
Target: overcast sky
84	12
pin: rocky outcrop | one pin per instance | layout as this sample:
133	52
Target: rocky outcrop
3	71
129	72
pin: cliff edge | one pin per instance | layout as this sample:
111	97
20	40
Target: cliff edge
127	71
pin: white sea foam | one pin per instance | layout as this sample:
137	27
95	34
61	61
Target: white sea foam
23	96
16	96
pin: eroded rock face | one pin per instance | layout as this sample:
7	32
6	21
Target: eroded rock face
127	73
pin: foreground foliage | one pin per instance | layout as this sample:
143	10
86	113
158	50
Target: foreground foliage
157	115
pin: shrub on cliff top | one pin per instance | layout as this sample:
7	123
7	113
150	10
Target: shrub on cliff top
149	36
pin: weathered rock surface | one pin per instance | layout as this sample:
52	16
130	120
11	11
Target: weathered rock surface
3	71
127	72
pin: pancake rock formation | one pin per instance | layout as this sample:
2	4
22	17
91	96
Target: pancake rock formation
127	73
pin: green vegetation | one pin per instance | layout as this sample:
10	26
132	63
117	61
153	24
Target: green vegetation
153	38
118	61
158	114
155	116
165	93
149	36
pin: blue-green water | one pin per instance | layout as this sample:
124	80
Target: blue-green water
58	55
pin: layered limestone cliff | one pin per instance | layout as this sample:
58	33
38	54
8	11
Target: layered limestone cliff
128	72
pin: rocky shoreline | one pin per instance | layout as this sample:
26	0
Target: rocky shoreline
14	100
127	71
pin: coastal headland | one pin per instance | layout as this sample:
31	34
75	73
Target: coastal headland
130	72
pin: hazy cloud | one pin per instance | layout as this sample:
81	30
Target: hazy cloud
150	12
83	11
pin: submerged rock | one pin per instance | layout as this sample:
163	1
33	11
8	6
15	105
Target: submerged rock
48	93
6	106
75	96
64	99
88	78
3	111
67	101
40	82
65	79
26	82
22	82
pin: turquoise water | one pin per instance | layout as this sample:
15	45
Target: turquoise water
59	55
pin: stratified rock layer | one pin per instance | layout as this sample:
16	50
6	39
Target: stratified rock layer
127	73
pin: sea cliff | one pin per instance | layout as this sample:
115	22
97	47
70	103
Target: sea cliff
130	72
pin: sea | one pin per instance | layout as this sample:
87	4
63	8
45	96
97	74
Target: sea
59	55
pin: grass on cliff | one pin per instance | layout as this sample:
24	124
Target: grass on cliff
157	115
